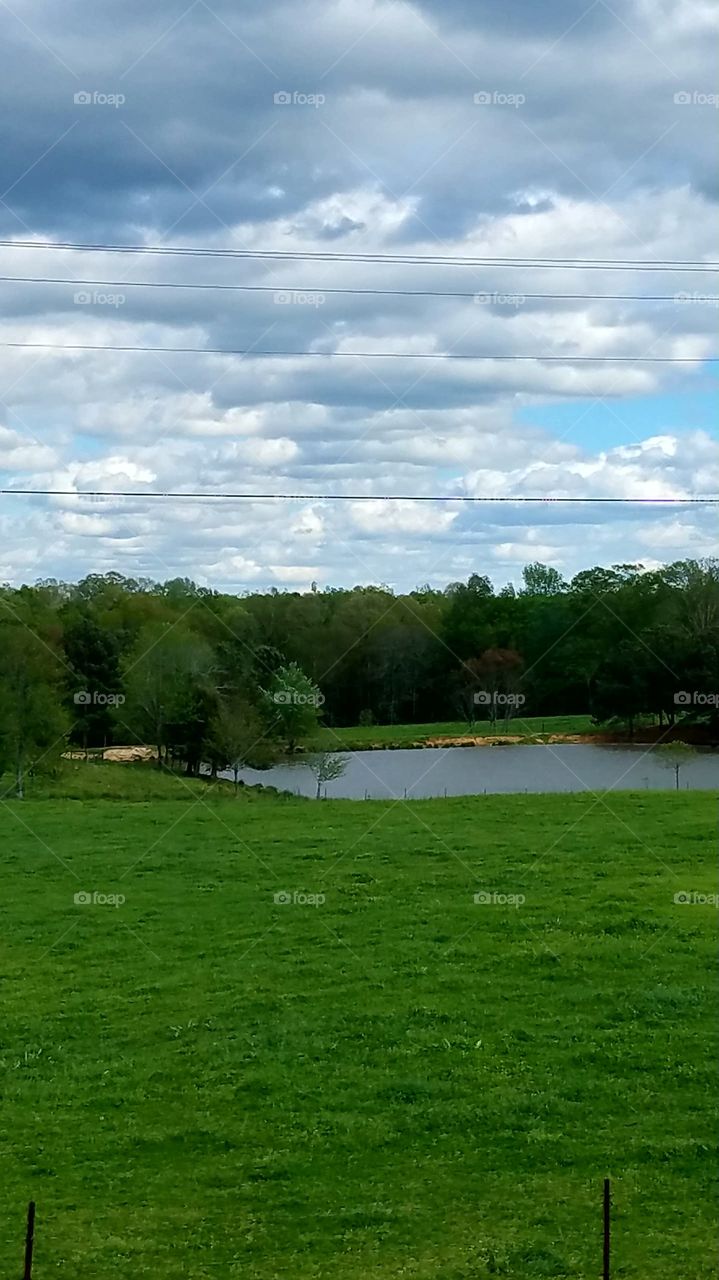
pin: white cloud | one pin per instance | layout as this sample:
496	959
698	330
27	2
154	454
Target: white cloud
401	517
598	163
18	453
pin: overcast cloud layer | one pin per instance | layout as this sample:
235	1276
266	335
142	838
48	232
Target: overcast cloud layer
459	128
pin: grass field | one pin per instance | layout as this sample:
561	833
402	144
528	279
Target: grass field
359	737
206	1082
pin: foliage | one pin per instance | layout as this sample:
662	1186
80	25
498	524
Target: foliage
33	723
167	677
542	580
293	702
674	755
624	645
238	737
326	766
93	679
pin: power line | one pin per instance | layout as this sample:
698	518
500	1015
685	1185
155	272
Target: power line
321	290
358	355
567	263
346	497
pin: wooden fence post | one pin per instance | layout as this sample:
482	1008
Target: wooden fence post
29	1240
607	1229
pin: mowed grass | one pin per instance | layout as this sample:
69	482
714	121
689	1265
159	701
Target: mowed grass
205	1082
357	737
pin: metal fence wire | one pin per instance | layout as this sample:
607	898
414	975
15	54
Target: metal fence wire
606	1251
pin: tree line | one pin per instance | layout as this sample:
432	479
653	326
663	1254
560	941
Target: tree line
209	678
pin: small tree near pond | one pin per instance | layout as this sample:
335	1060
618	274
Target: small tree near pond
238	739
295	703
673	755
326	766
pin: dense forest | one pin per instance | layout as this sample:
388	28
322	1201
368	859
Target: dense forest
207	677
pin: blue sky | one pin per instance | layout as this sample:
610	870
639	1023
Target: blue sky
594	424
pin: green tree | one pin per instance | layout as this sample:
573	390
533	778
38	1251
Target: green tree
33	723
621	690
237	738
294	703
326	767
468	683
92	654
168	680
542	580
500	673
675	754
468	622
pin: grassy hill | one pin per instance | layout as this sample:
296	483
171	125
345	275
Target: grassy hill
299	1048
362	737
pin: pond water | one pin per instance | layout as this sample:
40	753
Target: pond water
466	771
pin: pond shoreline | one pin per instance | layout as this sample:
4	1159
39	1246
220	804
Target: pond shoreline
696	735
520	767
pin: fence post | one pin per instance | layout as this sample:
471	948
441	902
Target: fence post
607	1236
29	1239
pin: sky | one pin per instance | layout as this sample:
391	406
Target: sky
459	129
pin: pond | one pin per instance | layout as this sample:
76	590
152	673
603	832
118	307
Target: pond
466	771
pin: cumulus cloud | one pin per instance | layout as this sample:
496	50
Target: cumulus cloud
18	453
515	131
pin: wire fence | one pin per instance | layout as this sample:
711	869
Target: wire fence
606	1235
